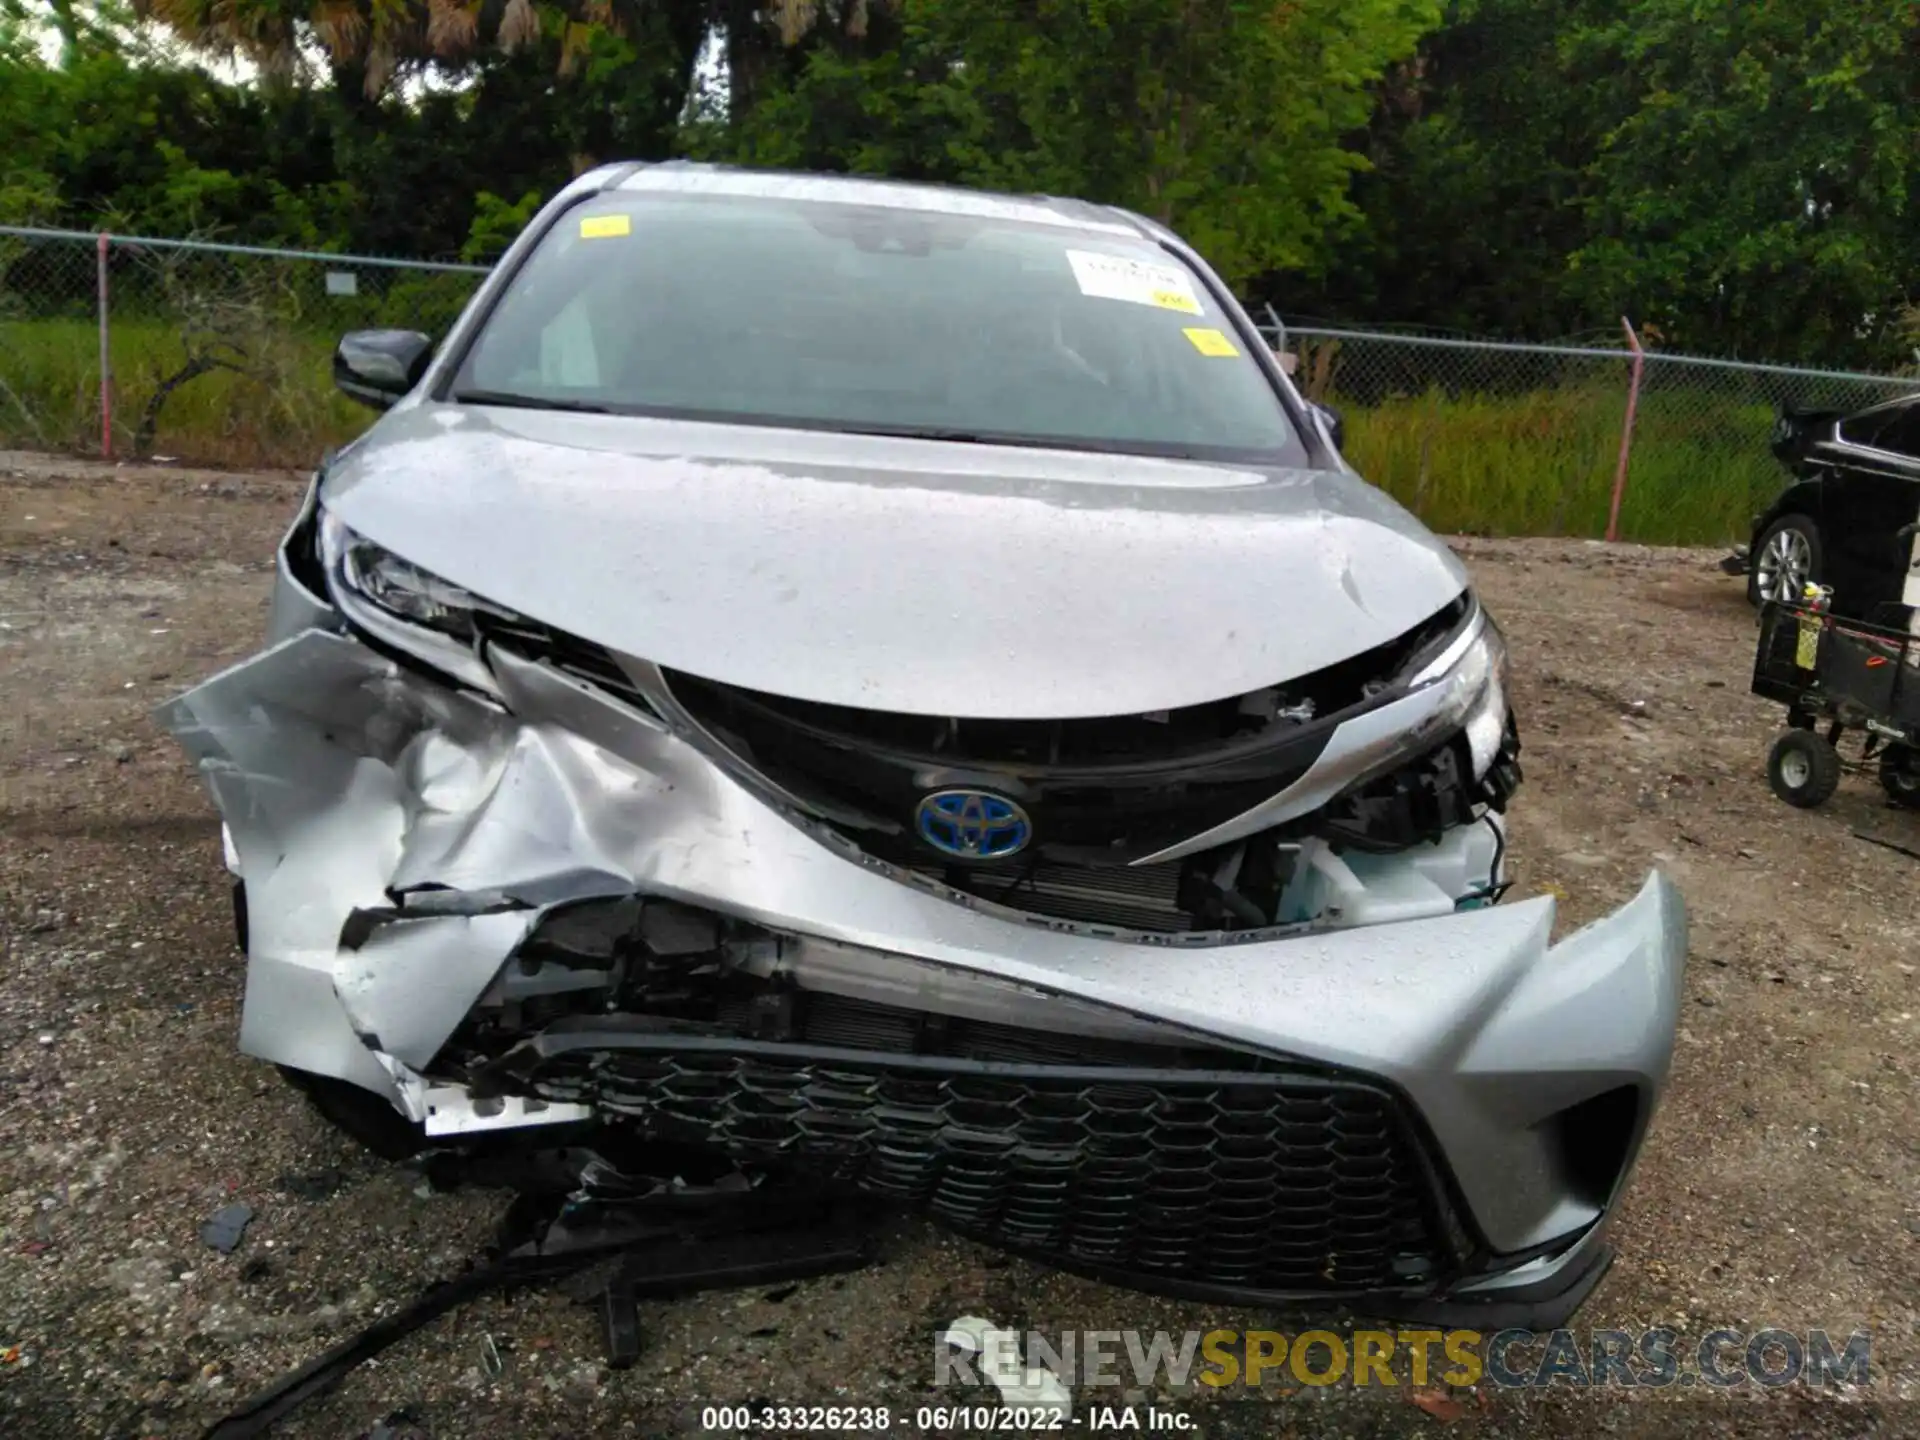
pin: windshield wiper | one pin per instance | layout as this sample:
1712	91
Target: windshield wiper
928	432
527	402
953	435
956	436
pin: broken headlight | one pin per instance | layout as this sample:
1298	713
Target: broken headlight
1473	671
412	609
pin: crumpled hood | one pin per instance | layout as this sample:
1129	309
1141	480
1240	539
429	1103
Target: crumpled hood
907	575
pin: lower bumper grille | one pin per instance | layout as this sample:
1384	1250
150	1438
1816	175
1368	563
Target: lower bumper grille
1273	1182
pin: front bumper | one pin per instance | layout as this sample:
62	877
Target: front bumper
1426	1119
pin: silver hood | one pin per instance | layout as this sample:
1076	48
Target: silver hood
917	576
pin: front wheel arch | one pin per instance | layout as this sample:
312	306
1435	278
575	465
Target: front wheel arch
1792	521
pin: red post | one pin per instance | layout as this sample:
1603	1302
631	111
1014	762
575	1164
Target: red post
106	362
1626	431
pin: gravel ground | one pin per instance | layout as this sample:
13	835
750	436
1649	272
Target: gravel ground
1777	1189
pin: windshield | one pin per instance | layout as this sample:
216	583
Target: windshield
876	319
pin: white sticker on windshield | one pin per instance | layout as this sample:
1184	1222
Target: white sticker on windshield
1140	282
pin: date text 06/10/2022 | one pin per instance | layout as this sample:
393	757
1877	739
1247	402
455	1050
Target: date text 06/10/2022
938	1419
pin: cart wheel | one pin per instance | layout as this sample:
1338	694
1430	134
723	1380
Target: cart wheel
1900	775
1803	769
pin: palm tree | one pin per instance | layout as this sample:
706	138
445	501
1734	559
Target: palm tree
367	42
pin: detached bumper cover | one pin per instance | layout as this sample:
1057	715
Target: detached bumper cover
1436	1111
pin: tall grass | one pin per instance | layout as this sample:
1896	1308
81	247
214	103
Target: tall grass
1544	462
49	384
280	408
229	354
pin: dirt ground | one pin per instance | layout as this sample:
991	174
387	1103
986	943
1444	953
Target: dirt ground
1778	1188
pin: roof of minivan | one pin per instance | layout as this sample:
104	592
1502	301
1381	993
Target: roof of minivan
687	177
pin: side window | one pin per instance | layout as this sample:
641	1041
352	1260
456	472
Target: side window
1901	433
1896	430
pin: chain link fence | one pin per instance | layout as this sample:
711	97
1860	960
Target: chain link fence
1478	437
221	354
215	353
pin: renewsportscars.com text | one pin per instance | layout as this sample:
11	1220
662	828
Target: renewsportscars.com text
1510	1359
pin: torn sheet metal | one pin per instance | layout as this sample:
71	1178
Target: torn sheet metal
346	781
412	981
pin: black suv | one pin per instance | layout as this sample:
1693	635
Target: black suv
1850	515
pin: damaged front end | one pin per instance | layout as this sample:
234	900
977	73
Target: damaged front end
1237	1018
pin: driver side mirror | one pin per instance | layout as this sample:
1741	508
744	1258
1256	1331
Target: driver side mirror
380	367
1336	427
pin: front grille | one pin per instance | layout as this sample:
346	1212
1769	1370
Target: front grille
1249	1181
1100	790
1107	813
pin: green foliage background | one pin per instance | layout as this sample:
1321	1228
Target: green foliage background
1734	175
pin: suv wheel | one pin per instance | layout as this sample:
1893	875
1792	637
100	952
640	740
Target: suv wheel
1785	561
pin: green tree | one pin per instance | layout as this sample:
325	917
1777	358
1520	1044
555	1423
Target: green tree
1479	154
539	88
115	132
1221	118
1735	174
524	93
1757	197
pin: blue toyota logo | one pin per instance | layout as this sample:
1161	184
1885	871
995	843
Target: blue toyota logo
972	824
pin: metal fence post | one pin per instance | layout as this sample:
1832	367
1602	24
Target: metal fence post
106	359
1626	430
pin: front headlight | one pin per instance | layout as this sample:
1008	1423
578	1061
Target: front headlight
412	609
1486	725
1472	673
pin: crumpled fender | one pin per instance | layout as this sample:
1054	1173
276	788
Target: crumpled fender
347	781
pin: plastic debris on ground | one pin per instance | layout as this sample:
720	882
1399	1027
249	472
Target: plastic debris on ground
228	1225
998	1356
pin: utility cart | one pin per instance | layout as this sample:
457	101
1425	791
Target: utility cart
1845	675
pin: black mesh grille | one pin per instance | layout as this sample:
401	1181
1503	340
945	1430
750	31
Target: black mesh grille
1246	1181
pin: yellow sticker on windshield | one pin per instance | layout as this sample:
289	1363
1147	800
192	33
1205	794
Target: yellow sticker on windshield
605	227
1211	342
1175	300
